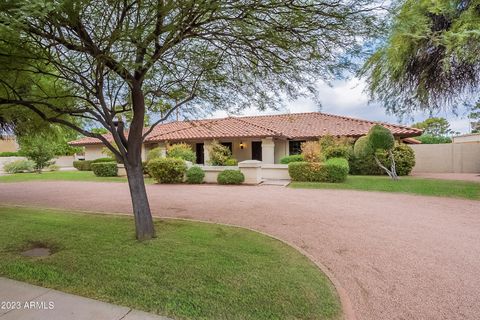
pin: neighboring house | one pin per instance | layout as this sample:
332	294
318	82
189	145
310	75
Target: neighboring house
8	143
264	138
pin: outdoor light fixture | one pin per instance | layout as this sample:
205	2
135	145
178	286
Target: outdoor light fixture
242	145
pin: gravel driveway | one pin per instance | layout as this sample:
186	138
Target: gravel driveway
397	256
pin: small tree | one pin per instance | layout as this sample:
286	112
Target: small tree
378	138
40	149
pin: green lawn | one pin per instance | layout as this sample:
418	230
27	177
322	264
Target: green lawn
190	271
62	175
428	187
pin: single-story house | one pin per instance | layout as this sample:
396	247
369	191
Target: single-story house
266	138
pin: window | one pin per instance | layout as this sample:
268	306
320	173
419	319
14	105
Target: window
295	147
229	145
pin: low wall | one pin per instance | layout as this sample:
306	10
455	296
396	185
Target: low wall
275	172
211	172
65	161
447	158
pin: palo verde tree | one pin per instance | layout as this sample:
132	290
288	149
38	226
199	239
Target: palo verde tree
429	59
378	139
104	59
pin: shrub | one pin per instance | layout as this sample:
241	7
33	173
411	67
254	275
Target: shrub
219	154
364	165
337	151
82	165
167	170
53	167
381	138
312	151
9	154
231	162
337	169
292	158
404	160
17	166
181	151
154	154
333	170
105	169
195	175
144	167
363	147
230	177
102	160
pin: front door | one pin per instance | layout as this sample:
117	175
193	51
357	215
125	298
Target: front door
200	153
257	150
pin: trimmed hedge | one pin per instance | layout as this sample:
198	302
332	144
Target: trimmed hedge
105	169
82	165
230	177
332	170
9	154
167	170
195	175
292	158
103	160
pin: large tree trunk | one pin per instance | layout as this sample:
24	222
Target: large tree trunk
133	165
141	208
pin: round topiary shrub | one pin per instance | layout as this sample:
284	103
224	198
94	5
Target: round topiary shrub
195	175
105	169
230	177
167	170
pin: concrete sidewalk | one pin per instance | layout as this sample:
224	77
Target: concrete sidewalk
22	301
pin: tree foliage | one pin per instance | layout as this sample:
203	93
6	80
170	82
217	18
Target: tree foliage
437	127
430	58
112	61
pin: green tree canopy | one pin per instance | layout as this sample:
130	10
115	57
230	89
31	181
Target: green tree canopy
101	60
436	127
430	57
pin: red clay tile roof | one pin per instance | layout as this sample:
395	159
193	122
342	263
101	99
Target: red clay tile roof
289	126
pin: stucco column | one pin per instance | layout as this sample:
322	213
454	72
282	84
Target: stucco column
268	150
163	149
252	170
206	149
144	152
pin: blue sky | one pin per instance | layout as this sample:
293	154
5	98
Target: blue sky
347	98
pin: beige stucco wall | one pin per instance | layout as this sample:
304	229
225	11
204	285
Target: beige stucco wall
449	157
281	149
8	145
474	137
94	152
